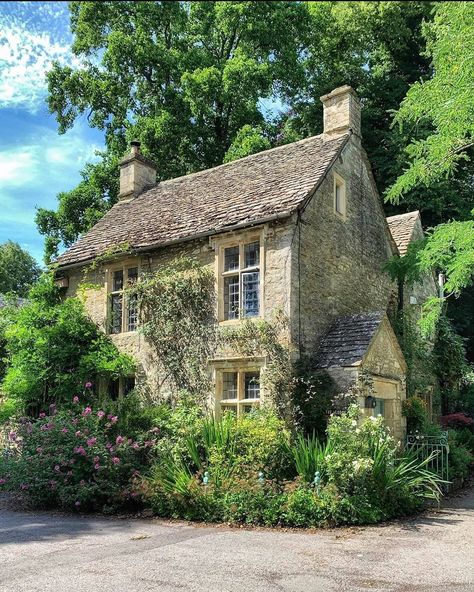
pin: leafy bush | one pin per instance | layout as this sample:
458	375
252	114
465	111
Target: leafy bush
460	458
74	459
363	477
457	421
414	409
54	349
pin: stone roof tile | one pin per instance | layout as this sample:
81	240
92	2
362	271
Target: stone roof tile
266	185
401	228
348	340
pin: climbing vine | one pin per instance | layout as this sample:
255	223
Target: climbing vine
177	317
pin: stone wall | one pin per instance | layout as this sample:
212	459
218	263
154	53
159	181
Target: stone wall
339	265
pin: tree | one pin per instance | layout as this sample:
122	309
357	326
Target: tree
18	270
54	349
439	112
185	78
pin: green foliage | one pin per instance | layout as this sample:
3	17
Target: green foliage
460	457
414	409
248	140
364	478
54	349
18	270
74	459
177	317
309	456
443	102
269	339
313	394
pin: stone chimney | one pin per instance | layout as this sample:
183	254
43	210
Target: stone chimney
137	173
341	112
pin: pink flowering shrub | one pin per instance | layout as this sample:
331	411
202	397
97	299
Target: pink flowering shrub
76	459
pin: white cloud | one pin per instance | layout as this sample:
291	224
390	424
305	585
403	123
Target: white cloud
30	41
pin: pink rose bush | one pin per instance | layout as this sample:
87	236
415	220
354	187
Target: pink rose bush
75	459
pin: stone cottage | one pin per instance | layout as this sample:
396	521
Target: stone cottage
299	228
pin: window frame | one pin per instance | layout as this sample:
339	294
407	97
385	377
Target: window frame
339	182
240	403
124	267
239	241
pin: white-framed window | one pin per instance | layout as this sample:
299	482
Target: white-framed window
240	279
339	195
122	309
237	389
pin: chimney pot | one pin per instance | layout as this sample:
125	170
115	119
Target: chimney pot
137	173
341	112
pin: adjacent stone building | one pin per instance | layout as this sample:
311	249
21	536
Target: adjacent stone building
299	229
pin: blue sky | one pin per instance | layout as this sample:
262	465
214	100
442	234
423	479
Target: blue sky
35	161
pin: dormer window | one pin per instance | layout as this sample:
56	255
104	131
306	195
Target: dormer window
240	279
339	195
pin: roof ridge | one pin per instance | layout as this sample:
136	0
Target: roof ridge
249	156
406	214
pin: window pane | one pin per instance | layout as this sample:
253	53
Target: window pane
128	384
339	198
118	280
132	275
132	313
113	389
229	385
250	286
252	385
116	305
229	409
231	297
248	408
231	258
252	254
379	407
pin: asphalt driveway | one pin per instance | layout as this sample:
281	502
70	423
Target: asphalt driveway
45	552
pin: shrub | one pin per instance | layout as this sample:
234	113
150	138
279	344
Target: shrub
414	409
74	459
460	458
54	349
457	421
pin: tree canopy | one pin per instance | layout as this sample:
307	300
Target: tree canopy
201	83
18	270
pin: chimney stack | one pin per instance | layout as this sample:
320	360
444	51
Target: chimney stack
137	173
341	112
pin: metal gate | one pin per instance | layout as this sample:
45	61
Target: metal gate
437	448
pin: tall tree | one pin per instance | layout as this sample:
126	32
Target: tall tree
18	270
185	78
439	114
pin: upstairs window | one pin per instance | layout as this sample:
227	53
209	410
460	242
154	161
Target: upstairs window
240	281
123	309
339	195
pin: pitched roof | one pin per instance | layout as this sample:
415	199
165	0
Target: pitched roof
262	186
348	340
401	228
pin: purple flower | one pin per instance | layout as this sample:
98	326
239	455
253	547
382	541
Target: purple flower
100	414
97	466
64	430
77	504
24	486
2	481
91	441
116	460
75	399
108	445
42	415
78	433
80	450
57	468
119	440
39	450
87	411
88	385
96	459
136	445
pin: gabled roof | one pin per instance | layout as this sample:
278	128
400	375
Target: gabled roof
260	187
401	228
348	340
